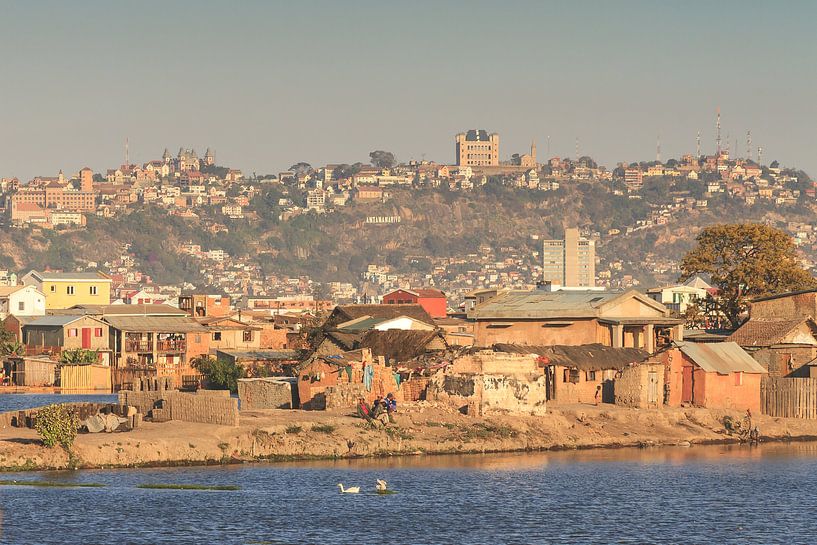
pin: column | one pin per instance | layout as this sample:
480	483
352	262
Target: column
649	338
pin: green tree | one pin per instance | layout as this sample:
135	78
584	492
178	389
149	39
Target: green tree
219	374
745	261
382	159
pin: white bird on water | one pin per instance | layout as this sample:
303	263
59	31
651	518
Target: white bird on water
382	486
350	490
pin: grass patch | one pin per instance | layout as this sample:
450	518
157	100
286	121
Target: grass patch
294	429
50	484
323	428
398	433
488	431
446	425
187	487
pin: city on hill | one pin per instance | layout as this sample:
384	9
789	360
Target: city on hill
183	221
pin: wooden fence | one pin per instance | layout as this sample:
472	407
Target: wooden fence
85	377
789	397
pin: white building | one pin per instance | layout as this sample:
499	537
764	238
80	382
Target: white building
21	301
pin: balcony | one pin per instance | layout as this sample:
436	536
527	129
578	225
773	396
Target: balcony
171	345
138	346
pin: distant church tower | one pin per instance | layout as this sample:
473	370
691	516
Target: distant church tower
533	150
209	157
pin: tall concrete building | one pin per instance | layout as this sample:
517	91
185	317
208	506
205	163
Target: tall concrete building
570	262
477	148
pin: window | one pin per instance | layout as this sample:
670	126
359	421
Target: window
72	332
93	290
571	375
217	336
21	305
248	336
739	378
53	289
69	290
591	375
97	332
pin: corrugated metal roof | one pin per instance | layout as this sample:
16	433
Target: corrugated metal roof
587	357
545	304
722	358
53	321
159	324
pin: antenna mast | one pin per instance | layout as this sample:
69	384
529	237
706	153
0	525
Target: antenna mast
698	145
748	145
718	127
658	148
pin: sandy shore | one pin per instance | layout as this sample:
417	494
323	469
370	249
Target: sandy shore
420	429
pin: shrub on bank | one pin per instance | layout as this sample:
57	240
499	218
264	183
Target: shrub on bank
57	425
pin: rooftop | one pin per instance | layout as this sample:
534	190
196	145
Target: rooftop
722	358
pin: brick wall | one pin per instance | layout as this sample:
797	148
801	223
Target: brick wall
203	407
264	394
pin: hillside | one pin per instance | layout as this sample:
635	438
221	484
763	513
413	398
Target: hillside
437	226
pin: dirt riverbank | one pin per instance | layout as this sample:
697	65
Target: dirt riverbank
421	428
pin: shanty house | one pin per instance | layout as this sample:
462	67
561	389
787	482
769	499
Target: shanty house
713	375
346	313
780	346
65	332
574	373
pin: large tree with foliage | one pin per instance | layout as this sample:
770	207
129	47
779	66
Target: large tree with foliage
382	159
745	261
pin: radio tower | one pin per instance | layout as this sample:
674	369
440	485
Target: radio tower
577	149
658	148
718	133
759	155
698	146
127	158
548	147
748	145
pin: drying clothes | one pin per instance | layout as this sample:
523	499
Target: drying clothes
348	370
397	379
368	377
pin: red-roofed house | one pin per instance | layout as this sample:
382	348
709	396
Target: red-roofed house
432	300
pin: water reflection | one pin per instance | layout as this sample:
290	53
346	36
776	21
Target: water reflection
701	494
525	461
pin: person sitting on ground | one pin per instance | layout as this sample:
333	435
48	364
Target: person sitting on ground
364	411
391	406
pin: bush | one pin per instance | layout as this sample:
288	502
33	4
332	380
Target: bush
323	428
219	374
57	425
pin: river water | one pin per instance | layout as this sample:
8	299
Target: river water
18	402
714	494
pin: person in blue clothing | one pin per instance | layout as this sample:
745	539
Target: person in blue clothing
391	406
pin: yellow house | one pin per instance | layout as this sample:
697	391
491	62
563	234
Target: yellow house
64	290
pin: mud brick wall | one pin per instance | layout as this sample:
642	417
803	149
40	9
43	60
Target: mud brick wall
344	396
204	409
143	401
414	389
264	394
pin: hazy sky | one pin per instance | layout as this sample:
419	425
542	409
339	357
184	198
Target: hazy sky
267	84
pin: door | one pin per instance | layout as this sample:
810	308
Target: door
652	390
86	338
686	387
